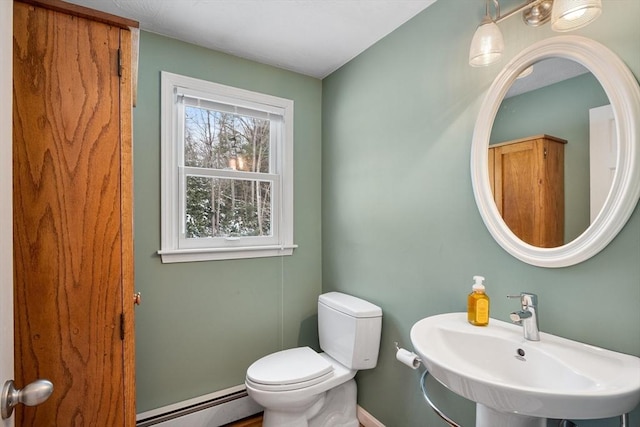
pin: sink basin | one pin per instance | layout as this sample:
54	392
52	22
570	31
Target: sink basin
551	378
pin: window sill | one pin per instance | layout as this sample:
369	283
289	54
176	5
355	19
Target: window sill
169	256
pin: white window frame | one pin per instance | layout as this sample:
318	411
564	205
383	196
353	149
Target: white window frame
174	246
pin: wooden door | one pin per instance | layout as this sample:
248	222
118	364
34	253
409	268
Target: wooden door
72	218
516	196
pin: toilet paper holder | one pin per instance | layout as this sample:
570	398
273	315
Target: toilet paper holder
406	357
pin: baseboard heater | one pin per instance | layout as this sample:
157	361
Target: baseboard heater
214	409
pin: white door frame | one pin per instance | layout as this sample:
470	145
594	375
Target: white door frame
603	153
6	198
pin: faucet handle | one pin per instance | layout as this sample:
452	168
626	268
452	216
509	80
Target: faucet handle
521	298
526	299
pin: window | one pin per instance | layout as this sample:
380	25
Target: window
227	172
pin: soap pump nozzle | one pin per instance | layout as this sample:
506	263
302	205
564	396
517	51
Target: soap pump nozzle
478	285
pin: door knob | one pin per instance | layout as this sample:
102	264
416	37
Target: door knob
31	395
137	298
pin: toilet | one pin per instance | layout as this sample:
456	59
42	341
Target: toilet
299	387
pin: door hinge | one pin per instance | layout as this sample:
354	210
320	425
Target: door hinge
122	326
119	62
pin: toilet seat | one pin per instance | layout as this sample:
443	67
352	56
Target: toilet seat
290	369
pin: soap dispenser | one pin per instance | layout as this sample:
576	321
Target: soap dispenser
478	304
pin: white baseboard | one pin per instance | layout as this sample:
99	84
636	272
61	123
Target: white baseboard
366	419
215	409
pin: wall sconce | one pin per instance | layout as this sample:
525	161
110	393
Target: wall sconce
565	15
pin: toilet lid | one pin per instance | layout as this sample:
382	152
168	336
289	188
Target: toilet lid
293	366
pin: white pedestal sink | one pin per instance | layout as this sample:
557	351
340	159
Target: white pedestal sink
519	383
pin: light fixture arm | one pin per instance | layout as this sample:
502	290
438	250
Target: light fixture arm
518	9
487	14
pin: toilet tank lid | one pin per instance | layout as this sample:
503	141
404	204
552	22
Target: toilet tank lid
350	305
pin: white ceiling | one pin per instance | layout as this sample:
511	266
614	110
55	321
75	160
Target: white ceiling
545	73
312	37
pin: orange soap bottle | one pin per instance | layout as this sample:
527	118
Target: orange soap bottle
478	304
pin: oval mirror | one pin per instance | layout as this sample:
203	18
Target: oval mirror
620	195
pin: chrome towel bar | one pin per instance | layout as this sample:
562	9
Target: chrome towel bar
423	387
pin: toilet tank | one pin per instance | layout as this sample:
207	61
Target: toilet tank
349	329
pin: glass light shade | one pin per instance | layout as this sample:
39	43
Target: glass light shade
568	15
487	44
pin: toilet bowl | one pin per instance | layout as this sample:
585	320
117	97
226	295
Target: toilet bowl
299	387
296	402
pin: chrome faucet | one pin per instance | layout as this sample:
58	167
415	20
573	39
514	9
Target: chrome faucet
527	317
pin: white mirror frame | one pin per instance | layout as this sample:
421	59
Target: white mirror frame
623	91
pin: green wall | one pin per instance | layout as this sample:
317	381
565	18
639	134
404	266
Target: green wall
561	110
400	225
382	147
202	324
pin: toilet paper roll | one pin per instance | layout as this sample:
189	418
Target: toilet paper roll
408	358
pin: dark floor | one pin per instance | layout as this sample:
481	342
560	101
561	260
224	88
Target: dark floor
253	421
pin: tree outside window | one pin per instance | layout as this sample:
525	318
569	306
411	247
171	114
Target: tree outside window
217	207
